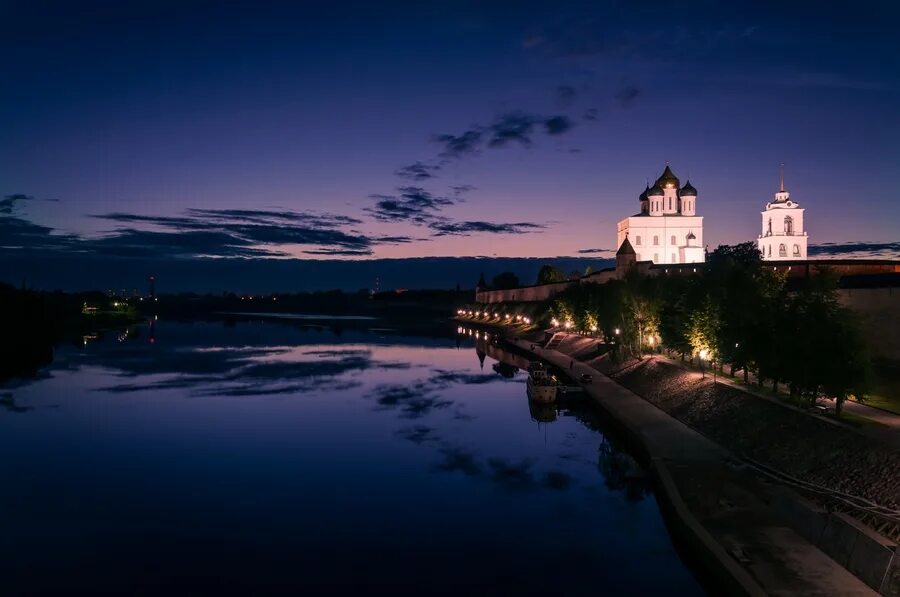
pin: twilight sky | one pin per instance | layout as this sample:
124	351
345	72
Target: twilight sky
173	130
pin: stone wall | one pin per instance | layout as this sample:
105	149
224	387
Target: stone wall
880	310
525	294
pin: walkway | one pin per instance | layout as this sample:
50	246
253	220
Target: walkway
719	504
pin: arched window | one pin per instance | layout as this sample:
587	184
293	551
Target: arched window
782	250
769	229
656	258
796	250
673	239
656	240
770	250
788	225
637	239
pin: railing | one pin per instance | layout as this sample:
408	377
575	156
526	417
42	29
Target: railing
885	521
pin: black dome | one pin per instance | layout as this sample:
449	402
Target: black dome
688	190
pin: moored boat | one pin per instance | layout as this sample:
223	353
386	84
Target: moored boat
541	385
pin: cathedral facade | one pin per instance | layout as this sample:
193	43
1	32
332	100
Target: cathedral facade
667	229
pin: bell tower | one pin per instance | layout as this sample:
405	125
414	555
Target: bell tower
783	237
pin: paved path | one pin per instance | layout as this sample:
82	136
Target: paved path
747	534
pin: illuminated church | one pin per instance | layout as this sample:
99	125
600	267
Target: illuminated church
783	237
667	229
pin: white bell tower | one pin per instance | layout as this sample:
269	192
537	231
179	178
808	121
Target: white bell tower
783	237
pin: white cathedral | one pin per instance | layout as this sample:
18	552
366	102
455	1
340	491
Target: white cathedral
783	237
667	229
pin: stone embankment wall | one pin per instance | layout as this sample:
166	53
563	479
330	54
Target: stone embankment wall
803	446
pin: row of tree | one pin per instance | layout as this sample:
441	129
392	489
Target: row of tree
739	313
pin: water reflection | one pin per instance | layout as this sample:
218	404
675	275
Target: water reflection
396	458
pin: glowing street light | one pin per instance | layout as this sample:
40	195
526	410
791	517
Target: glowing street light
617	331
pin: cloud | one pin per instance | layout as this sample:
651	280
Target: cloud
341	252
565	95
557	125
236	233
461	189
448	228
857	249
515	127
592	251
418	171
8	203
457	146
412	204
627	96
512	127
591	114
230	233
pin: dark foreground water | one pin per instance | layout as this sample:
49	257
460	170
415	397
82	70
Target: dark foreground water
266	457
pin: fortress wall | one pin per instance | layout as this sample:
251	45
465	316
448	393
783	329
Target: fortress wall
526	294
880	310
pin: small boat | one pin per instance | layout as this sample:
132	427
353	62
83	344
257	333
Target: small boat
541	385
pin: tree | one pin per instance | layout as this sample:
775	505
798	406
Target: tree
549	274
481	283
505	280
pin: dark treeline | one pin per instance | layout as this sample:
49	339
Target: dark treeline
33	322
738	313
402	304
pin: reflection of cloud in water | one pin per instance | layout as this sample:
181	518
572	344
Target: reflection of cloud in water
8	403
457	460
245	371
504	473
418	434
420	397
414	402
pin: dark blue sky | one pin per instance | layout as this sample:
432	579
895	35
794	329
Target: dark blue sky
168	130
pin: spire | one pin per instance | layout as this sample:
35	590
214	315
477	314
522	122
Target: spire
782	177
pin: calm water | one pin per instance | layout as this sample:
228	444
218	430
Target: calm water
266	456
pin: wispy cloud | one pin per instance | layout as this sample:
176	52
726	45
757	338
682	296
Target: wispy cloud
515	127
418	171
465	228
857	249
411	204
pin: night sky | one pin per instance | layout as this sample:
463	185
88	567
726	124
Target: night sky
161	131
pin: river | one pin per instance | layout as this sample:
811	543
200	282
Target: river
285	456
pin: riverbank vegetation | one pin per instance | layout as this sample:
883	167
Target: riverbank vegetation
738	312
33	322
